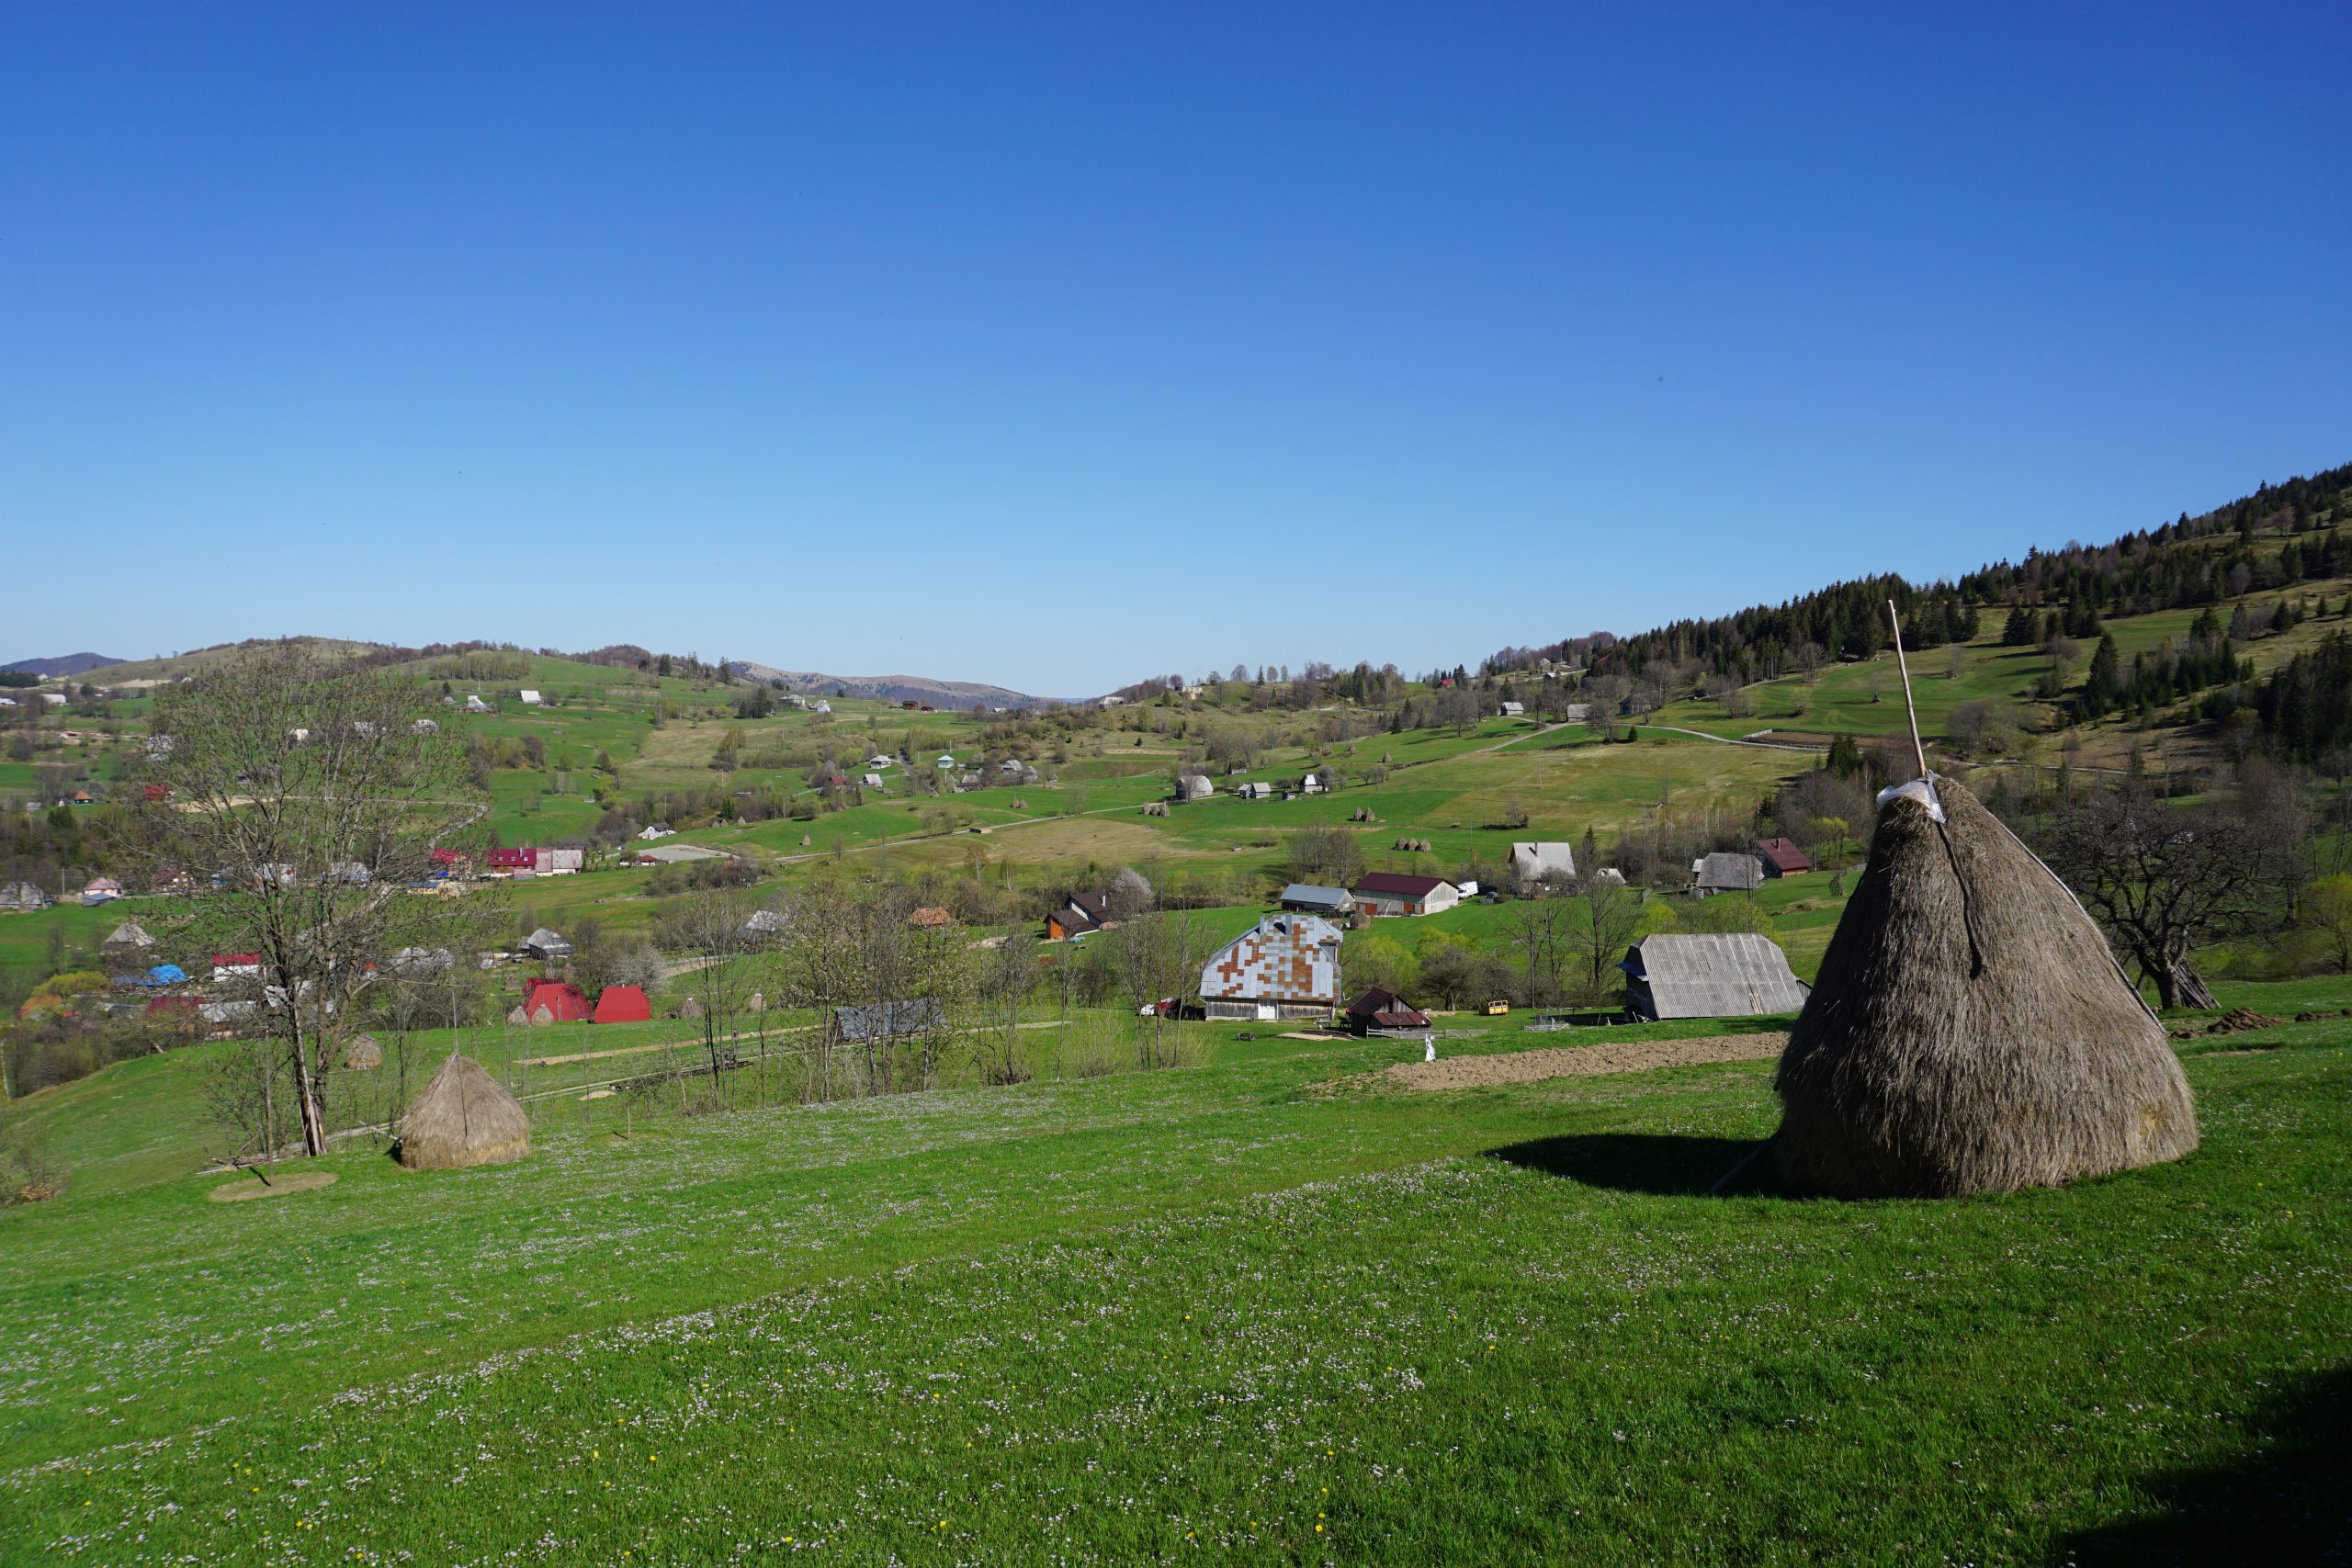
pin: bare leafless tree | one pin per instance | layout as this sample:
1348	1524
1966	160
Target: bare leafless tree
1608	917
311	794
2162	877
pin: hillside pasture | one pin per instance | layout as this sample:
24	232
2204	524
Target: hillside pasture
1241	1311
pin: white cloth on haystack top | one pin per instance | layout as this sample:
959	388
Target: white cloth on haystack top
1921	790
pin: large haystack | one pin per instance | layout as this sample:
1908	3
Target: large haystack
463	1118
1968	1030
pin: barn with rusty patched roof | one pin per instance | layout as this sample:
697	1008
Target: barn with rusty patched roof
1287	966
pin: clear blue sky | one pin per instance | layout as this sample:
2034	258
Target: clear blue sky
1058	347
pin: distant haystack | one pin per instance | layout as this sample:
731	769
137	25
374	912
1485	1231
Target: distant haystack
363	1054
1970	1031
516	1018
463	1118
691	1008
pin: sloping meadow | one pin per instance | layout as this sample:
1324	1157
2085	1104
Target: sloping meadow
1503	1325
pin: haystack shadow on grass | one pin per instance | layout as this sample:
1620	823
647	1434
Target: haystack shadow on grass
1669	1165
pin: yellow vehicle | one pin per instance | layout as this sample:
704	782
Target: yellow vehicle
1496	1008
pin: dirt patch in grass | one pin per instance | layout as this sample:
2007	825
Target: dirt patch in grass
244	1191
1579	1061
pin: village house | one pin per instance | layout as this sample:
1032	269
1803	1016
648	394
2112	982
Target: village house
99	890
475	704
1781	857
1254	791
1727	871
235	966
127	941
1378	1011
530	698
1511	710
1538	862
622	1004
1734	974
1332	903
1287	966
655	830
1077	915
555	1001
1397	893
546	944
1195	786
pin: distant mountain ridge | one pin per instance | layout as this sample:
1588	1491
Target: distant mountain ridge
64	664
886	688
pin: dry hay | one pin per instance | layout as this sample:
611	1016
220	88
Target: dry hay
1579	1061
1968	1030
464	1117
544	1018
691	1008
759	1003
247	1191
517	1019
363	1054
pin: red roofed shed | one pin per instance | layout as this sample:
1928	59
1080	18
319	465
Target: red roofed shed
565	1002
623	1004
1781	857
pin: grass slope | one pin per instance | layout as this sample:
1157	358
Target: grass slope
1223	1311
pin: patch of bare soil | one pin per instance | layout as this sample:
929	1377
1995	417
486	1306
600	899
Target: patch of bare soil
293	1182
2235	1021
1579	1061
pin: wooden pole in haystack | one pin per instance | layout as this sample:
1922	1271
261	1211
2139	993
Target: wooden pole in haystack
1909	707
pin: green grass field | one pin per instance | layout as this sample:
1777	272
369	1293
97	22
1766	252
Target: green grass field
1193	1312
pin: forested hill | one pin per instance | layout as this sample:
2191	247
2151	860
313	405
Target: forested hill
2230	550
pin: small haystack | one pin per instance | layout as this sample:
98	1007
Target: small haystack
1968	1030
463	1118
759	1003
544	1018
363	1054
516	1018
692	1009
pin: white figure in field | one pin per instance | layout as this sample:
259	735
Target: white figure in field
1429	1047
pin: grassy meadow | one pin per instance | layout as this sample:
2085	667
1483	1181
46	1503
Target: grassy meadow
1251	1310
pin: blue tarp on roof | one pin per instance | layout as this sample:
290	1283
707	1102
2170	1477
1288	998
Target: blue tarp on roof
165	974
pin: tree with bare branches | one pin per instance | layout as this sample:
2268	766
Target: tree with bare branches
312	794
2162	877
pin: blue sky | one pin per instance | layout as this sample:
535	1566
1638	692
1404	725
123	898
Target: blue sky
1059	347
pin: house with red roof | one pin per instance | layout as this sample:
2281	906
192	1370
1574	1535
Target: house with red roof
563	1001
1396	893
521	859
1781	857
236	966
623	1004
